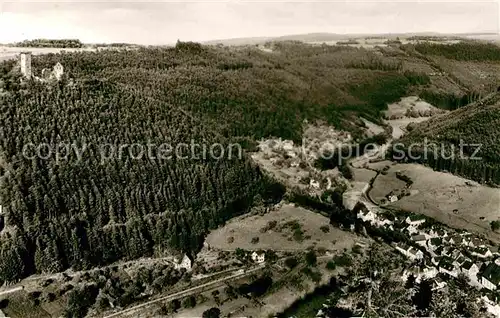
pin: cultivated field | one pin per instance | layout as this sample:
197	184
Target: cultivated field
452	200
284	236
8	52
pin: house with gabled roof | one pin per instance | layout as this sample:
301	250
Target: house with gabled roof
490	277
435	242
436	260
459	240
477	242
446	266
441	233
415	220
460	260
383	221
449	240
493	249
470	269
186	262
456	254
409	251
443	251
366	215
419	239
482	252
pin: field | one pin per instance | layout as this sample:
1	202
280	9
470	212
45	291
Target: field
284	236
8	52
449	199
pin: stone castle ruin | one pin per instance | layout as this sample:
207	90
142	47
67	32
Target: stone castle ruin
25	61
47	75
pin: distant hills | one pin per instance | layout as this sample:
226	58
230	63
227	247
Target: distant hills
326	37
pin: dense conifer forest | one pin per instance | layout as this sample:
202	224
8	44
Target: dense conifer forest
83	212
475	127
462	51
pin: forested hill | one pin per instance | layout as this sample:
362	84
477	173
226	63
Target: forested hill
84	212
476	128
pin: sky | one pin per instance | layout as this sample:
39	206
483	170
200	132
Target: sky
164	22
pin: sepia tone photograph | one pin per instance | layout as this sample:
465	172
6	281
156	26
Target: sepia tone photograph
249	158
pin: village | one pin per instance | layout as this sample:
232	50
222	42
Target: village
433	248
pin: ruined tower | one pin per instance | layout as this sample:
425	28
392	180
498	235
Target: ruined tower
26	64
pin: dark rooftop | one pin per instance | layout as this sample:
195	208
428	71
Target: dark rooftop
492	273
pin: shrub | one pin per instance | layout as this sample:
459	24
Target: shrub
343	260
291	262
189	302
325	228
330	265
495	225
80	300
255	240
311	258
213	312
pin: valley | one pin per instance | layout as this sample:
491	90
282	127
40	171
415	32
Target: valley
315	198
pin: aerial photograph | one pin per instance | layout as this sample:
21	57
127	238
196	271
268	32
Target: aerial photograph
249	158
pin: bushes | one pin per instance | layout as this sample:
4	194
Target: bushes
495	225
211	313
331	265
311	259
291	262
325	228
343	260
80	300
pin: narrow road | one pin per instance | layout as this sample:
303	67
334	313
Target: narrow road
12	290
186	292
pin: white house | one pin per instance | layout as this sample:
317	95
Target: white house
438	283
429	272
410	229
258	258
415	220
482	252
287	145
490	278
366	215
184	263
410	251
446	267
470	269
315	184
383	222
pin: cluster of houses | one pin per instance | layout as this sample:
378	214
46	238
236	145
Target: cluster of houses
446	251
